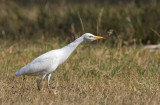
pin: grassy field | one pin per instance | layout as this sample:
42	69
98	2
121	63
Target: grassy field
116	71
95	74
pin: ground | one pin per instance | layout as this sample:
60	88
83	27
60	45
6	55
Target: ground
95	74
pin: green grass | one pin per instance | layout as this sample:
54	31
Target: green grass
132	22
94	74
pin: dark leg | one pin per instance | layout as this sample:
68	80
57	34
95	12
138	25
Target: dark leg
41	81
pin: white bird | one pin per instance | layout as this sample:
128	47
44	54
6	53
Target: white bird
46	63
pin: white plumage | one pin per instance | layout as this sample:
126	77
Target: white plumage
46	63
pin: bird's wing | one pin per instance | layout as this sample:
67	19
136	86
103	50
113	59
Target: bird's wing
40	64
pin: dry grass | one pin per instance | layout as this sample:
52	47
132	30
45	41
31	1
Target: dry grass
94	75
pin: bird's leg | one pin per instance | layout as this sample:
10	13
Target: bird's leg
23	85
48	78
40	82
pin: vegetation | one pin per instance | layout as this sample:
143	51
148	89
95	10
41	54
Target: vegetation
132	22
122	75
117	71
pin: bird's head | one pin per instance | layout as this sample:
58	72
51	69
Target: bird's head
91	37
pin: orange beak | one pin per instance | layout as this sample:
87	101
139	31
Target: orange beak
97	37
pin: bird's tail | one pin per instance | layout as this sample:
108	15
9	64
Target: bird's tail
17	73
20	72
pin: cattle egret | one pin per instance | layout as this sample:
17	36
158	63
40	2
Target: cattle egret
46	63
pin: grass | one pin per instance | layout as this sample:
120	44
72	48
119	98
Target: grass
94	74
117	71
134	21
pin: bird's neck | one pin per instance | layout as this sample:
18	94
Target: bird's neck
72	46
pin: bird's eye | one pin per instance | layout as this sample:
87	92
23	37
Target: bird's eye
90	36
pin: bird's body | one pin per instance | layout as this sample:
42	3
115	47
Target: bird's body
41	65
46	63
